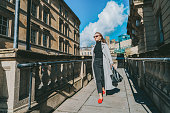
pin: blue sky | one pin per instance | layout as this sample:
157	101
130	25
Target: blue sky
88	11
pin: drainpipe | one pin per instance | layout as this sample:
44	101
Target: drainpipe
16	25
28	24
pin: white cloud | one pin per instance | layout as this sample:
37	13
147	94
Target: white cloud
112	16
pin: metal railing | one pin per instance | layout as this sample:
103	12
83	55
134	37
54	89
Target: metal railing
37	64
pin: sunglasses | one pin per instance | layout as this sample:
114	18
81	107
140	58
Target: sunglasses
96	36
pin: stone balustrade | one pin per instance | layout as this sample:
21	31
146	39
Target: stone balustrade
154	77
51	83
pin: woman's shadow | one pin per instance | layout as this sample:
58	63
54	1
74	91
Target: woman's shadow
113	91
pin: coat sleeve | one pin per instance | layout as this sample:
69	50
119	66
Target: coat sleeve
108	54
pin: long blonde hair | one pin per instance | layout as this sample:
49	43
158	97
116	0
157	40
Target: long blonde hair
102	39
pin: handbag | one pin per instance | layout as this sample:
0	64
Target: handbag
116	77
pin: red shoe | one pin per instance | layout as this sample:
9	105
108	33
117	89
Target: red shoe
100	101
104	92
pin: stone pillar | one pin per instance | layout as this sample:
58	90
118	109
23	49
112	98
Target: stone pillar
157	73
8	85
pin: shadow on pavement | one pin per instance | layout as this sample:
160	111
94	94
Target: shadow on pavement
113	91
140	95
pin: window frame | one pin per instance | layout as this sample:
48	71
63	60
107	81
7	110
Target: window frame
2	25
45	12
36	8
160	28
45	41
35	38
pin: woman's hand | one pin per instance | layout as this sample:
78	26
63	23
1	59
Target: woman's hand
113	66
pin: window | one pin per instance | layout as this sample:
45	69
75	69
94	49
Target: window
34	9
66	46
39	38
137	23
161	36
33	36
3	25
60	25
44	40
74	34
46	1
74	21
60	8
60	44
49	42
75	49
45	17
66	29
66	14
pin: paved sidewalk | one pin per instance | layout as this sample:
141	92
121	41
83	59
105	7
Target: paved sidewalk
126	98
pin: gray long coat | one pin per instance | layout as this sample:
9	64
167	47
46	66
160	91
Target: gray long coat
107	60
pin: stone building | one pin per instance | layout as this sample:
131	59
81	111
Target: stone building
135	25
54	26
123	43
149	28
85	51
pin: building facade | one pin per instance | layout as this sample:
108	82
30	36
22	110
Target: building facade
149	27
85	51
135	26
119	46
54	27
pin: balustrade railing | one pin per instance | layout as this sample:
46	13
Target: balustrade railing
49	76
155	71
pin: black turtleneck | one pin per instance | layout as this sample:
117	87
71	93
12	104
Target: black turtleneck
98	50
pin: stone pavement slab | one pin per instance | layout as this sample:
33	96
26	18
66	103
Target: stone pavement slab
123	99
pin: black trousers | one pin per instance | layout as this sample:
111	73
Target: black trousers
99	73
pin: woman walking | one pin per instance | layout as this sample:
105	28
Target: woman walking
101	66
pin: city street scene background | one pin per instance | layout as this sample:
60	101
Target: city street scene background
46	59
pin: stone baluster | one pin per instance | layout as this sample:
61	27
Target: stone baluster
69	70
136	66
130	67
166	79
146	69
161	73
150	70
153	72
157	70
